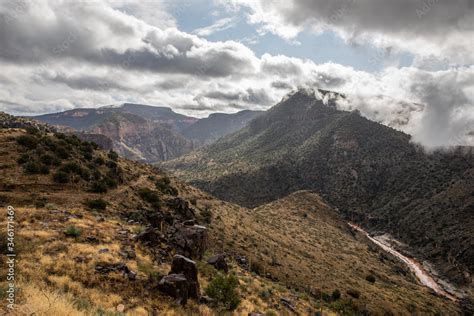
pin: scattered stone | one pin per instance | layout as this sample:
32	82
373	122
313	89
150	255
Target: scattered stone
176	286
150	236
255	314
218	261
207	300
117	267
242	261
120	308
80	259
104	250
128	253
288	304
92	239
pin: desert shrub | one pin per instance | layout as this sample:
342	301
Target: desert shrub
47	159
99	161
32	167
73	231
87	155
110	182
150	196
98	187
61	177
61	152
370	278
32	130
111	164
207	215
41	202
265	294
27	141
336	294
112	155
71	167
98	204
24	158
224	290
49	143
75	168
354	293
96	175
326	297
44	169
164	186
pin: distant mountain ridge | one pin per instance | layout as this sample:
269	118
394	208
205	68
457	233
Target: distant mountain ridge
148	133
372	173
85	118
217	125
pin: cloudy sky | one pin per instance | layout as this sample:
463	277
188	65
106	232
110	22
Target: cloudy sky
406	63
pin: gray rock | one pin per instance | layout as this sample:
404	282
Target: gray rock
219	262
176	286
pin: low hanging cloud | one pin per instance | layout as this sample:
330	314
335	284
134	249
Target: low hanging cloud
58	55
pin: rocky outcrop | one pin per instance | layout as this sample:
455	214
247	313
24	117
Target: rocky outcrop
187	267
10	121
182	281
190	241
181	207
176	286
106	268
103	141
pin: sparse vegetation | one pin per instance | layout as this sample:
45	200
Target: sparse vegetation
207	215
98	204
336	294
61	177
354	293
224	290
28	141
113	155
370	278
73	231
164	185
150	196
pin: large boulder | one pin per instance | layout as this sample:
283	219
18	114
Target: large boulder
188	268
181	207
190	240
176	286
218	261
